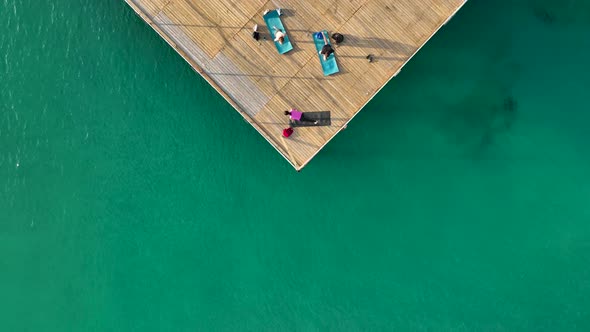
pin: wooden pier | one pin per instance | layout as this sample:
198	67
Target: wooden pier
215	38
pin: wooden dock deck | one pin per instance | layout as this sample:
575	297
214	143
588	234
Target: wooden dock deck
215	38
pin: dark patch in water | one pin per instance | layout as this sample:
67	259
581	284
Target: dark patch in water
487	140
510	108
563	12
544	15
479	119
499	123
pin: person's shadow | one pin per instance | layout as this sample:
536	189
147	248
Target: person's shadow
378	43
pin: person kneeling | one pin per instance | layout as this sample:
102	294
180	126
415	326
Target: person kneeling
327	49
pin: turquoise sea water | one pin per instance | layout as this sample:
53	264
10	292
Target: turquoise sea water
134	198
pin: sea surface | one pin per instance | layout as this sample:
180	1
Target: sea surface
134	198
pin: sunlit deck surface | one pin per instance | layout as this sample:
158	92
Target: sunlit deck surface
215	37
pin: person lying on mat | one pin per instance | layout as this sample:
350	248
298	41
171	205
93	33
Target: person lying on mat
294	114
279	35
327	49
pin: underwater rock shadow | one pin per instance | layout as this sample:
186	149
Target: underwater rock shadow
564	12
474	125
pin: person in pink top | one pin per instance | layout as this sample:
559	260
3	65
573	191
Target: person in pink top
295	114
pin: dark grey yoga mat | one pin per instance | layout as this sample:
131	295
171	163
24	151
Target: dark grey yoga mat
323	117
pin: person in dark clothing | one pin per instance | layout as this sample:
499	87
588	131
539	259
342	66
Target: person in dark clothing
338	38
327	49
255	33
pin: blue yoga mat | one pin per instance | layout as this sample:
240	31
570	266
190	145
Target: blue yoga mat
329	66
272	19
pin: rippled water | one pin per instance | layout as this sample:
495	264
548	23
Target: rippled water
132	197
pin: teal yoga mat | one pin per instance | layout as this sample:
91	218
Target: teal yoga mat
272	19
329	66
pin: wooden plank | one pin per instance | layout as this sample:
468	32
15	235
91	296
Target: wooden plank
150	7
